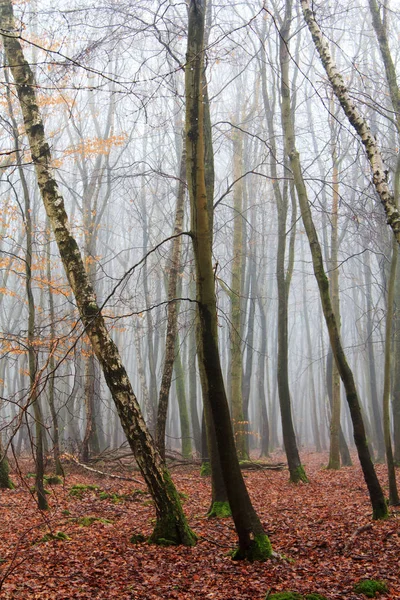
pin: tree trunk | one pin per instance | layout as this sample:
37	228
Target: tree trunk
172	312
235	295
377	429
393	492
379	506
171	522
253	542
334	446
296	469
379	173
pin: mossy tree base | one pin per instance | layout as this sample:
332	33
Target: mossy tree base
260	549
169	532
5	481
219	510
380	512
298	474
171	527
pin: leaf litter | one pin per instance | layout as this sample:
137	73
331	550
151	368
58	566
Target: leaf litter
322	532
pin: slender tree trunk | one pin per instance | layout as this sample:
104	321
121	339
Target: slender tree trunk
377	429
393	492
235	295
334	447
396	368
378	502
32	365
182	404
172	313
296	470
314	411
171	523
253	542
261	383
52	363
193	389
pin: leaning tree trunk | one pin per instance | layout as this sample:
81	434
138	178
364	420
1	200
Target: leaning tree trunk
253	542
378	501
171	522
379	173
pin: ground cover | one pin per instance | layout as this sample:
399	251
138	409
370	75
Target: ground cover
82	547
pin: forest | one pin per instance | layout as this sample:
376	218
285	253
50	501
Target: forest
199	299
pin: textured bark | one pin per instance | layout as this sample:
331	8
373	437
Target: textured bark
235	295
172	312
171	523
253	542
390	69
379	173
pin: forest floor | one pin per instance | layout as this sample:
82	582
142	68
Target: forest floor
322	529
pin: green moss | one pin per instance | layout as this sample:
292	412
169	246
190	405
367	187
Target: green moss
315	597
370	587
115	498
53	479
89	520
139	493
66	512
137	538
205	470
59	535
298	475
171	525
32	490
148	502
260	549
79	489
5	481
381	511
220	510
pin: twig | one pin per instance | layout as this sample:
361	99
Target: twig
76	461
357	532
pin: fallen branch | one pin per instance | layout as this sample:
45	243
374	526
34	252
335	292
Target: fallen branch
260	466
76	461
357	532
